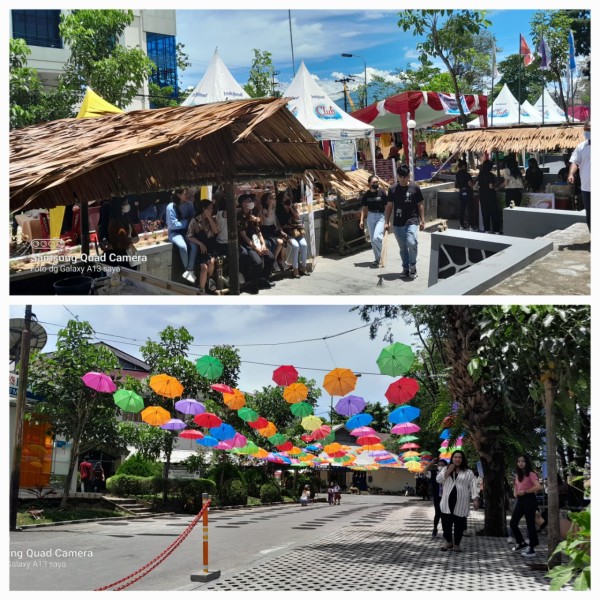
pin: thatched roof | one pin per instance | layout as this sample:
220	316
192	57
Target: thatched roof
355	183
69	160
510	139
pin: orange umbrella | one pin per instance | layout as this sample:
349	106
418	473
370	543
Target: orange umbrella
340	382
269	430
294	451
155	415
331	448
296	392
235	400
165	385
262	453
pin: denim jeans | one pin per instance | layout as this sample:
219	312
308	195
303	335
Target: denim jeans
299	246
187	252
406	236
375	224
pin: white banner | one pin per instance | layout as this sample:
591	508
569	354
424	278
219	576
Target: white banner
308	195
344	154
450	106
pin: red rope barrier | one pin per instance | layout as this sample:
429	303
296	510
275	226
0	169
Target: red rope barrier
143	571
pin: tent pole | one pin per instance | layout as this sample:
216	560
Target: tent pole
232	239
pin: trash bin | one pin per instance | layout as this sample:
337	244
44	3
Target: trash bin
78	286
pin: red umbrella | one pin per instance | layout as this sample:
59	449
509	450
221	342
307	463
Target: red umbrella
306	437
448	421
367	440
285	446
207	420
285	375
191	434
260	423
402	391
99	382
409	446
221	387
321	432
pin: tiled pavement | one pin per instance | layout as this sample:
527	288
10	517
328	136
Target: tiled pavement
389	550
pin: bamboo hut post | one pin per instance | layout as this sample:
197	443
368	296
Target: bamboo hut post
85	227
232	240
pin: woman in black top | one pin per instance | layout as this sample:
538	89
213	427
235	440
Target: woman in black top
534	176
464	184
373	208
487	198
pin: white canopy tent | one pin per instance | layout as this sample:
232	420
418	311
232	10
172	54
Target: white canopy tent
505	111
552	112
217	85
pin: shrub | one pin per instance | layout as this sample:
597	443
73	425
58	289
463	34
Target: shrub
142	467
188	493
223	471
233	493
255	477
129	485
270	492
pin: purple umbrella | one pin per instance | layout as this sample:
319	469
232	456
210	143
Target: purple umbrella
189	406
174	425
350	405
358	420
99	382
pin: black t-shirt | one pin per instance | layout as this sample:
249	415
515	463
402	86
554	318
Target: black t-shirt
485	179
405	200
375	201
462	179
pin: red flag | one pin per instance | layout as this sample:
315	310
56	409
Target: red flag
526	52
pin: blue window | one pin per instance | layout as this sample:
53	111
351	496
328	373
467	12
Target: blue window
162	51
37	27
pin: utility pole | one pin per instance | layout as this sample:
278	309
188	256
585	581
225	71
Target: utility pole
344	81
273	75
19	416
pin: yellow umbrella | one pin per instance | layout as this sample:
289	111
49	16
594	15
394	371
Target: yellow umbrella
269	430
409	454
340	382
311	423
414	467
236	400
155	415
296	392
165	385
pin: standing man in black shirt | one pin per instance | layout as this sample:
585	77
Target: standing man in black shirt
464	184
405	201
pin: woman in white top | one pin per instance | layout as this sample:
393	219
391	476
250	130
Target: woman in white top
222	240
460	485
513	181
274	237
305	498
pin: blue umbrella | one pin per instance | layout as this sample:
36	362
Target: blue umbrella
358	420
403	414
208	441
223	432
445	435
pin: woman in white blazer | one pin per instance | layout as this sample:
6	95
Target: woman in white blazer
460	485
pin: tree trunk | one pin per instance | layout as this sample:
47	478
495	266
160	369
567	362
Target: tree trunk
72	463
167	468
494	504
553	514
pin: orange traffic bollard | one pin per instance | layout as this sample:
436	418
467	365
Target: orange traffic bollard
205	575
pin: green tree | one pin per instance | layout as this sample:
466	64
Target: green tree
261	78
98	60
74	410
511	71
447	35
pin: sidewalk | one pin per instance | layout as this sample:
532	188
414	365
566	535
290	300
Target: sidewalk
390	549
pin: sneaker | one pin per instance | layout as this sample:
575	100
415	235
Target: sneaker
265	284
212	286
189	276
510	540
412	273
519	547
434	533
405	273
529	553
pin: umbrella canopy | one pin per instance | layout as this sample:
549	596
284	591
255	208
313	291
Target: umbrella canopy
321	432
278	439
414	467
350	405
402	414
405	428
223	432
268	430
409	446
395	359
208	441
155	415
247	414
407	438
358	420
260	453
311	423
249	448
207	419
368	440
332	448
339	382
221	387
128	401
173	425
165	385
189	406
296	392
209	367
235	400
402	391
358	431
287	445
99	382
448	421
191	434
445	435
301	409
285	375
260	423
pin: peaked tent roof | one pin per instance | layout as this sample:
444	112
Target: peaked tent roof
552	112
318	113
531	110
505	111
217	85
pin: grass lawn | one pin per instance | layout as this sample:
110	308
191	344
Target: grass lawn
51	513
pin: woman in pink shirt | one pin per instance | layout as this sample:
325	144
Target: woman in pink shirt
527	485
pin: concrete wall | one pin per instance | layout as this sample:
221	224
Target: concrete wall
535	222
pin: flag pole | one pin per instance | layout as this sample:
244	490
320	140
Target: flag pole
543	79
520	60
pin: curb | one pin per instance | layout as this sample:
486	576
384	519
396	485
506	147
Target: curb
129	518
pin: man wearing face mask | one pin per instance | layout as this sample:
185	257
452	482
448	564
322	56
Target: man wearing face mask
121	237
580	160
373	209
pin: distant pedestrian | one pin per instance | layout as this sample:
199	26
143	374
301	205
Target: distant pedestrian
337	495
98	481
85	473
513	181
436	491
526	486
464	184
486	180
305	497
534	176
373	209
330	493
580	161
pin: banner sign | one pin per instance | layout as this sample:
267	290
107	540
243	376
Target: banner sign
344	154
450	106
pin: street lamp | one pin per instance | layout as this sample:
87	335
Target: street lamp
411	124
365	63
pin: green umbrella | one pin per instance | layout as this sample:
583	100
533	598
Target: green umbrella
395	359
278	439
247	414
209	367
407	438
129	401
328	439
249	448
301	409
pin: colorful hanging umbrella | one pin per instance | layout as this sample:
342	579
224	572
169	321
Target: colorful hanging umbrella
414	467
448	421
311	423
209	367
235	400
189	406
301	409
405	428
128	400
173	425
222	432
249	448
359	420
191	434
321	432
99	382
261	453
445	435
363	431
165	385
409	446
296	392
285	375
285	446
238	441
208	441
314	447
207	419
395	360
278	439
402	391
367	440
329	439
407	438
155	415
222	388
269	430
332	448
350	405
339	382
247	414
403	414
260	423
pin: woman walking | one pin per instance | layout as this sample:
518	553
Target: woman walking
373	210
527	485
460	485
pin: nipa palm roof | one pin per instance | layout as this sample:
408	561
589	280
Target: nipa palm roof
66	161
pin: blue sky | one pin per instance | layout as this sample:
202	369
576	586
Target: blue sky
319	38
128	326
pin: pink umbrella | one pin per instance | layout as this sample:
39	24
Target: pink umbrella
173	425
189	406
223	446
364	430
321	432
99	382
222	387
191	434
238	441
405	428
409	446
